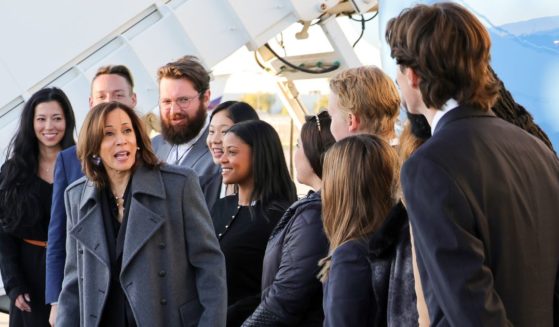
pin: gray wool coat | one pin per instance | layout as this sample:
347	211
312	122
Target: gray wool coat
173	271
198	159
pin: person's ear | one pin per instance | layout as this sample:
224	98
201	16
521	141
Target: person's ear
206	98
134	100
412	77
354	123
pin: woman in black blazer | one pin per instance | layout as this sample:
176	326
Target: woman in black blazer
253	159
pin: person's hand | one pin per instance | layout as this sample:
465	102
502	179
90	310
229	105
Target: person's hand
22	302
52	316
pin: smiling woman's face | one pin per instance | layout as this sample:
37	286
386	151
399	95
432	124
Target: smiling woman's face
219	125
118	147
236	161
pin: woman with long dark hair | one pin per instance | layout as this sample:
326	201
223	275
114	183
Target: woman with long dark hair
46	127
253	159
225	115
291	293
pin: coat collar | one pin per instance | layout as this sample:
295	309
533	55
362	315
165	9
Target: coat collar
199	149
460	113
142	221
387	235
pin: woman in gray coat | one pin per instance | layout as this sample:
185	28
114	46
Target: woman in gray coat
141	250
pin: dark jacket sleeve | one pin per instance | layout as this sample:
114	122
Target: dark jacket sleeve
56	252
211	186
458	285
12	275
69	304
295	282
348	297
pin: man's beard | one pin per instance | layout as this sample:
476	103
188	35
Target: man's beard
180	134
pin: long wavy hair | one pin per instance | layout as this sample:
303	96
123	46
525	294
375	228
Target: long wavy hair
16	201
272	182
359	187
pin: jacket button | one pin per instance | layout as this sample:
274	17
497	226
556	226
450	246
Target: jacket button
162	245
162	273
163	301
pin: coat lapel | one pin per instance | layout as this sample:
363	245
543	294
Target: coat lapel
197	152
90	230
142	222
162	151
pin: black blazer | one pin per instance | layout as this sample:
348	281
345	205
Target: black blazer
482	196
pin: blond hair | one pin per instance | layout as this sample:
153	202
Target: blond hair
371	95
360	186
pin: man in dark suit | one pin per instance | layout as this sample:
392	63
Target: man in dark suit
481	193
110	83
184	94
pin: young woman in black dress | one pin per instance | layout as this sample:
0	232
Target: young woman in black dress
46	127
253	159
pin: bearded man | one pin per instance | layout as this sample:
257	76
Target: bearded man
184	94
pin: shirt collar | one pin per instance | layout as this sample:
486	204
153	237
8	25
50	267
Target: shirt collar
448	106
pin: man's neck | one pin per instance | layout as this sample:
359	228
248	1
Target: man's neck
436	115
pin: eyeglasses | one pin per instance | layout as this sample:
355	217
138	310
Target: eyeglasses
182	102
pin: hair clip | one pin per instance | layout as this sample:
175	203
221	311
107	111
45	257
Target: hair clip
317	122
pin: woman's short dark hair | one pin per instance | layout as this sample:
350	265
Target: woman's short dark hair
316	139
269	169
91	136
22	162
237	111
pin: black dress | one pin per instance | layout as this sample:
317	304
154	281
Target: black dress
243	238
23	264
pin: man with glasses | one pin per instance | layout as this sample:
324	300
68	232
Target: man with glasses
184	94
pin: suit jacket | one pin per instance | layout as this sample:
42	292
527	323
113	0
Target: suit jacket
173	272
67	170
198	159
482	200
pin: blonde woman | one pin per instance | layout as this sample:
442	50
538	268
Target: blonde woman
368	277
